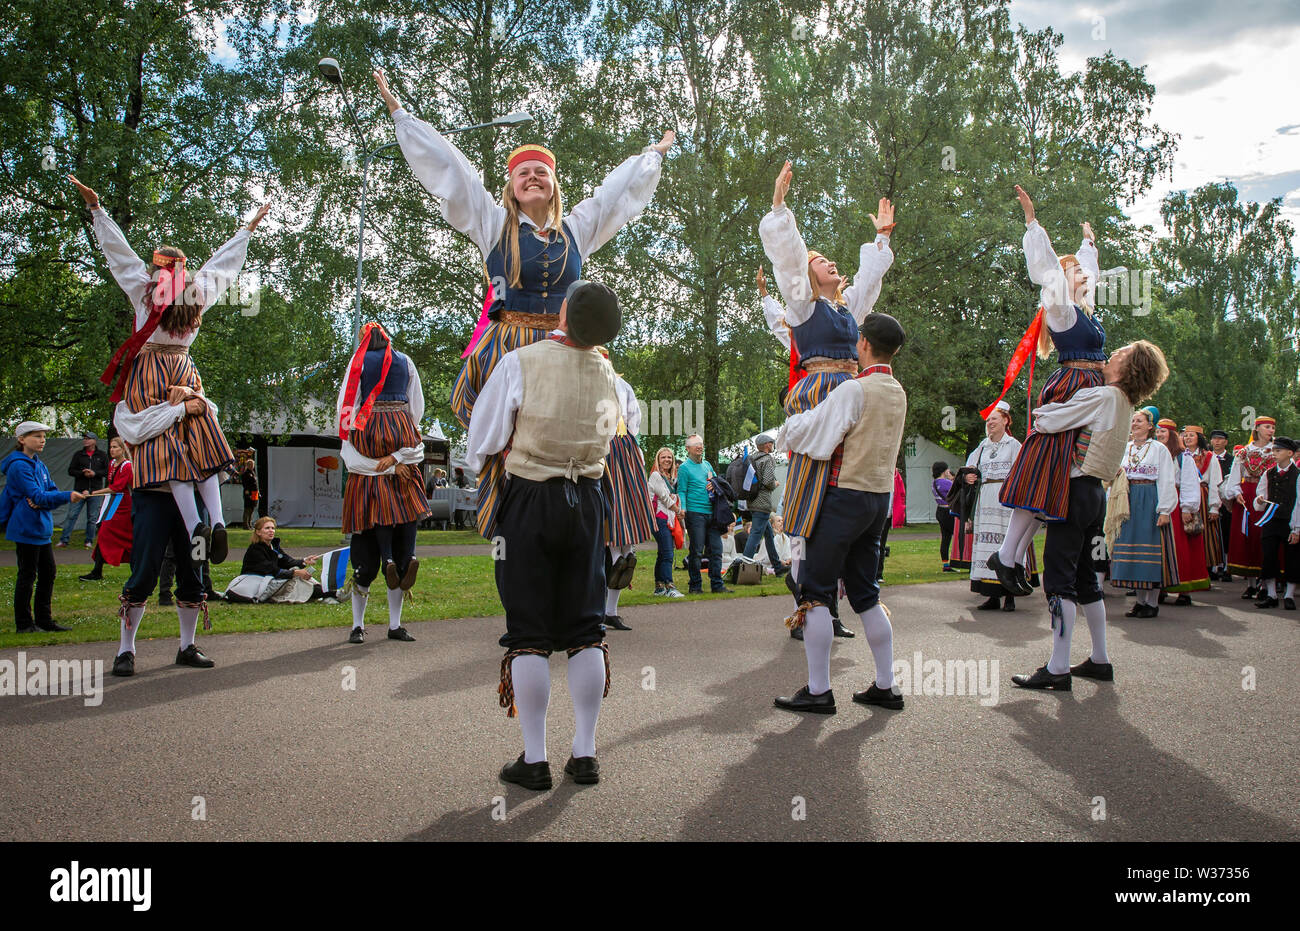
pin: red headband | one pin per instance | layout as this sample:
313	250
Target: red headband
360	415
530	153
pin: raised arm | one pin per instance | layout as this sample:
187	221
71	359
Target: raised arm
773	312
621	196
219	272
1087	256
446	174
787	252
130	273
874	259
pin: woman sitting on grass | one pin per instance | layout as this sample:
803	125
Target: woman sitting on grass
271	574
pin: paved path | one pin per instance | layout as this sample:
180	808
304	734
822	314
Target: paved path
279	750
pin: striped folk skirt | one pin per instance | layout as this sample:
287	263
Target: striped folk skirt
962	549
1190	571
806	482
1138	559
498	339
1040	478
1245	543
384	500
627	494
1213	536
189	450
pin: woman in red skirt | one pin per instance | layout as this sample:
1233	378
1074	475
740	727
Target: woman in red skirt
1250	462
380	406
1185	550
1211	479
161	410
1039	482
113	542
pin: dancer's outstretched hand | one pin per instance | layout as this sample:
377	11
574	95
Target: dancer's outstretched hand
666	143
390	99
1087	232
262	211
762	283
782	185
1026	203
886	215
88	195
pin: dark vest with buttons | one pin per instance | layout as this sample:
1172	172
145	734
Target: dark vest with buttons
830	332
1086	340
545	274
1281	491
394	388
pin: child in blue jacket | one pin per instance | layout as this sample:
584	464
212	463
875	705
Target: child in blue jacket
28	497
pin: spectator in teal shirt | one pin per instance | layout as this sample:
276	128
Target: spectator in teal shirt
694	480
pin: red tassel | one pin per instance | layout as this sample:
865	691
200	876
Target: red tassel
1026	349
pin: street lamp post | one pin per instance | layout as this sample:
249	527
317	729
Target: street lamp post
330	71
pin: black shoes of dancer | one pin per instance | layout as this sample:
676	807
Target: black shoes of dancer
191	656
358	635
124	665
1013	579
408	578
535	776
840	629
1288	603
93	576
994	603
1267	601
400	633
215	543
402	580
1042	679
803	700
1183	600
1141	610
1252	592
796	633
891	697
51	627
616	622
619	575
1102	672
584	770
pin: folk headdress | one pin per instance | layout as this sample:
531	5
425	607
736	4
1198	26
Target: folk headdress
169	289
530	153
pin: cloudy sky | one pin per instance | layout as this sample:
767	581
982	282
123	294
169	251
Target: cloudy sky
1227	79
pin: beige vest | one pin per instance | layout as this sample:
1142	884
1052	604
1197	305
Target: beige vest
567	415
870	448
1105	449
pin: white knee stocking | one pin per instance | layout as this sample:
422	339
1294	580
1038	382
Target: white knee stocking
1062	632
818	635
880	637
1096	615
531	675
183	492
586	687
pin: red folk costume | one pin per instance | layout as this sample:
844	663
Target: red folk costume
1245	553
114	539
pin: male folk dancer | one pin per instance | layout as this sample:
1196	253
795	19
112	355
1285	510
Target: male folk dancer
1245	542
552	408
1279	525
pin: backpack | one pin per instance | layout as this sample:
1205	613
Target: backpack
723	501
736	477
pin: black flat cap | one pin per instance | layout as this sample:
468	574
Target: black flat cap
883	332
593	314
1286	443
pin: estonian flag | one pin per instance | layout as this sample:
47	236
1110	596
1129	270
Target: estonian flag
334	569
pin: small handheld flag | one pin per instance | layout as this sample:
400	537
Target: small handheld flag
334	569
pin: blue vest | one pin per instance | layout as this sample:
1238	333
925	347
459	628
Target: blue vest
545	275
1085	340
394	385
829	332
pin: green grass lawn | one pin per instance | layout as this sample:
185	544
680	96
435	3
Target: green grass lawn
300	541
448	587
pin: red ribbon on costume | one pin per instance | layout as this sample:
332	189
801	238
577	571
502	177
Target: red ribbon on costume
1026	349
362	414
481	325
796	370
164	294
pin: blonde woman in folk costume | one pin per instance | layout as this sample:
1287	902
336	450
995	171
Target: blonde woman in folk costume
1190	573
820	327
1139	557
531	248
1039	482
1245	540
160	407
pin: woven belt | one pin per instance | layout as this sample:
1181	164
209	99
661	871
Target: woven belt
390	406
993	481
1141	481
165	347
537	321
817	366
1084	364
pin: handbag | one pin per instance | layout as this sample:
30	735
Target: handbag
679	534
1192	524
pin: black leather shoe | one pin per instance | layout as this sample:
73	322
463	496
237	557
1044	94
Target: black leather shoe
165	601
890	698
780	571
1150	611
1008	603
993	603
616	622
190	656
1267	603
1138	610
29	629
803	700
408	577
124	665
796	633
1288	603
51	627
840	629
400	633
1251	592
503	639
693	590
792	585
584	770
1183	600
1102	672
358	635
391	578
91	577
535	776
220	548
1009	577
1042	679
